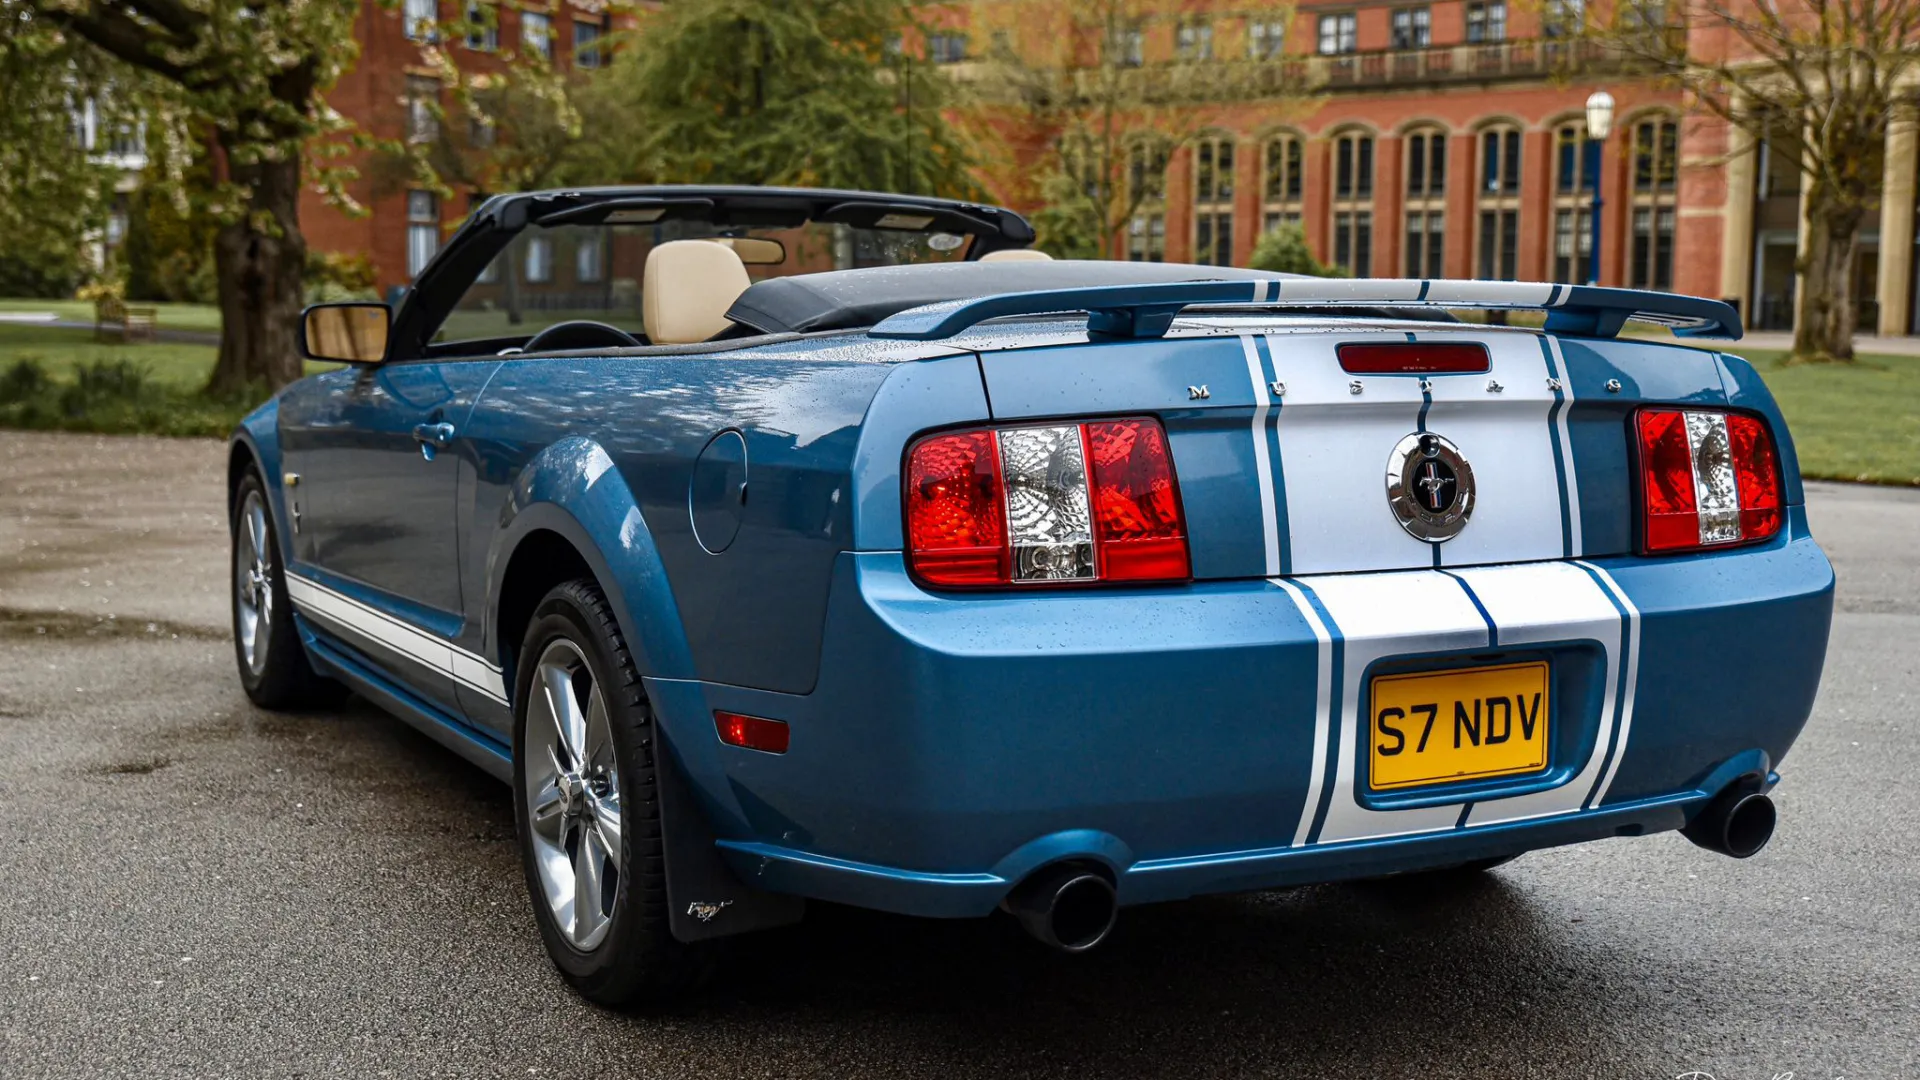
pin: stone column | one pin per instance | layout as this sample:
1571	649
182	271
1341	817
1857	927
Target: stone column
1896	226
1736	220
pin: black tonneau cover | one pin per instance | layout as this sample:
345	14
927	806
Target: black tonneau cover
848	299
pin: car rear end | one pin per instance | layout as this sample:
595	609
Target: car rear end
1272	599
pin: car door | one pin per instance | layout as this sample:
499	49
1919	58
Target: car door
373	457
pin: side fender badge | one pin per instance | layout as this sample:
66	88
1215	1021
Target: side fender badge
1198	393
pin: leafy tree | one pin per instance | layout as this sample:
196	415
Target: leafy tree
244	83
783	92
1283	249
52	191
1818	79
1091	100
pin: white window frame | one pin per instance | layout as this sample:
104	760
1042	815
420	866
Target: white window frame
1339	33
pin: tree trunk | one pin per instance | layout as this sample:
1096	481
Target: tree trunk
1824	321
259	262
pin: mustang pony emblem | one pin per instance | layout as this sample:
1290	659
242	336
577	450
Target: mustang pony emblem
1430	487
706	910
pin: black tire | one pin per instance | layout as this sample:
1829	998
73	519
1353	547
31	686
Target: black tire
283	679
638	960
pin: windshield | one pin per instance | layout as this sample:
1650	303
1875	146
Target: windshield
596	272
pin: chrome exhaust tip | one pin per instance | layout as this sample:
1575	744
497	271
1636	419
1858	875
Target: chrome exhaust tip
1738	822
1067	907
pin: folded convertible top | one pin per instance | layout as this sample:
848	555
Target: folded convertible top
850	299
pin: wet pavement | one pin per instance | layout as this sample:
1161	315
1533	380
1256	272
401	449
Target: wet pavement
191	887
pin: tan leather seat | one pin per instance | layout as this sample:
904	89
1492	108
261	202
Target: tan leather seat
687	288
1016	255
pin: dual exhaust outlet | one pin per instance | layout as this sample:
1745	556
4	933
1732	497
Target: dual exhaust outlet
1072	907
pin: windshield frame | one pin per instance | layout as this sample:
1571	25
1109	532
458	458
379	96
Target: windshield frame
495	223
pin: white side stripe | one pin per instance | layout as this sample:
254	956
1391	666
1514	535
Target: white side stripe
1262	460
468	669
1322	711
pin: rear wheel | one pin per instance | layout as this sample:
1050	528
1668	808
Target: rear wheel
274	670
587	808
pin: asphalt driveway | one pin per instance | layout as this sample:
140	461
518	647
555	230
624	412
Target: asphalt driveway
191	887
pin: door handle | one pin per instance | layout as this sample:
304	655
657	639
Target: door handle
437	435
432	437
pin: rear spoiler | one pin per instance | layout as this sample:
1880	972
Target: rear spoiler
1146	311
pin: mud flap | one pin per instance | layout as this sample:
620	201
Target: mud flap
704	898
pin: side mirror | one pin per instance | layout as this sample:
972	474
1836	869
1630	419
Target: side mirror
352	333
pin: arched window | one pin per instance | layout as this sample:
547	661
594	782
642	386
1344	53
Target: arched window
1282	176
1426	153
1213	201
1656	174
1147	194
1497	251
1352	207
1573	183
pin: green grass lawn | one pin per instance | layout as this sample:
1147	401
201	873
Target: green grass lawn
1858	421
172	316
183	367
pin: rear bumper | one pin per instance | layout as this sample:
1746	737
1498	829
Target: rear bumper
1210	738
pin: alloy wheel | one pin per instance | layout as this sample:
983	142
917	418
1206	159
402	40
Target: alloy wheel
572	795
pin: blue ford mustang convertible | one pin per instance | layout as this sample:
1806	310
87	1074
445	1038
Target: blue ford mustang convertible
789	544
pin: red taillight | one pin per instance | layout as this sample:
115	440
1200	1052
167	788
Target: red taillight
1137	530
751	732
1045	504
1412	358
1707	478
956	525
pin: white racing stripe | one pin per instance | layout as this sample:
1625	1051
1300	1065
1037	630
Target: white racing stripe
1262	459
1409	613
470	670
1322	715
1539	603
1633	680
1509	442
1377	616
1565	438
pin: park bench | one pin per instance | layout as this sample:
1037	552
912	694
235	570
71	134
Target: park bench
114	320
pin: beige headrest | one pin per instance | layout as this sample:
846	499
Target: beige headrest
1016	255
687	289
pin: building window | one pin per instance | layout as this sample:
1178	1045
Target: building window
1497	243
1147	193
1563	18
1486	22
1412	28
483	27
947	47
1266	38
1426	154
1281	178
423	97
1573	187
481	132
1128	47
423	230
536	33
1194	40
1352	206
586	43
421	19
1656	151
1213	201
588	267
539	259
1339	34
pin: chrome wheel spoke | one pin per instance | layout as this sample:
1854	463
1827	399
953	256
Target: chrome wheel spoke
599	734
548	814
606	825
589	919
569	720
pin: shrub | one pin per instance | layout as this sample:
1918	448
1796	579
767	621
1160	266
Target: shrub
24	379
1284	250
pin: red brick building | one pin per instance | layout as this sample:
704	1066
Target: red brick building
1447	139
386	93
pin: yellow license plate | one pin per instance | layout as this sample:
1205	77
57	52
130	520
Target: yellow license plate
1466	724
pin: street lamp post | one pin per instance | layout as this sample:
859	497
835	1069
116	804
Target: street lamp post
1599	124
